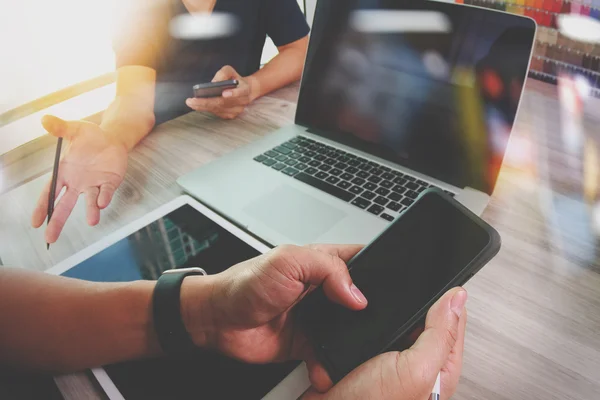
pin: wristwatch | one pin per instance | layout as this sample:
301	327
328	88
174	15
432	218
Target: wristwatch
172	335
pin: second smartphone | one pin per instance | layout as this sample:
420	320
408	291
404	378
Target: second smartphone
435	245
213	89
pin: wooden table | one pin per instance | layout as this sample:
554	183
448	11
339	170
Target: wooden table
534	311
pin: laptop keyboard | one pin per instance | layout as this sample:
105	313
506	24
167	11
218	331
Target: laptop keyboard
365	184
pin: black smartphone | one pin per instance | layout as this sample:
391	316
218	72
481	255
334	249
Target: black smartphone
433	246
214	89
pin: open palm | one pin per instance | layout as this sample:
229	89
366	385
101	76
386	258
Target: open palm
93	163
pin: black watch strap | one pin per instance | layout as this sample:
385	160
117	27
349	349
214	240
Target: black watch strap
173	337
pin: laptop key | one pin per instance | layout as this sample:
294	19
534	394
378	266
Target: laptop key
411	185
394	206
395	196
407	202
399	189
269	161
344	158
321	175
382	201
297	139
386	184
290	171
370	186
411	194
320	157
344	184
382	191
311	171
301	166
291	162
356	189
304	159
329	161
279	166
422	183
336	172
374	179
361	203
387	217
410	178
358	181
324	167
310	153
388	176
400	181
350	155
271	153
352	170
314	163
295	155
325	187
368	195
346	176
376	171
375	209
365	167
260	158
354	162
281	158
304	143
321	151
420	189
332	179
384	168
282	150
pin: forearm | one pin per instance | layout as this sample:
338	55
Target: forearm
282	70
59	324
130	117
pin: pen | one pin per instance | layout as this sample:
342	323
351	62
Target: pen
435	393
52	194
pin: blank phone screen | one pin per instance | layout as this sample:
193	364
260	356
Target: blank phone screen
416	258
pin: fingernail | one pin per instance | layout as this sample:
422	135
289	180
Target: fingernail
358	295
458	302
227	94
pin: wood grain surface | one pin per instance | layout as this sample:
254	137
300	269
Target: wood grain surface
534	311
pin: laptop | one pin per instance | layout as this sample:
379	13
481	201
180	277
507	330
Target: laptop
396	96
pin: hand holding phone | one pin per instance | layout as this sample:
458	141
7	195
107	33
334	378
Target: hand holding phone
435	245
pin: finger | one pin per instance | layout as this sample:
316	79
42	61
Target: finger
318	268
318	376
91	205
343	251
61	128
41	209
211	105
239	92
418	366
225	73
107	190
453	368
61	214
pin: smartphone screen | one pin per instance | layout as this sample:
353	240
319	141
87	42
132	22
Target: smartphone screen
405	269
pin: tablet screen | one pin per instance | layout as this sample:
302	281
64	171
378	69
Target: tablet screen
182	238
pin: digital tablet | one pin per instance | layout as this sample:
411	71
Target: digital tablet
179	234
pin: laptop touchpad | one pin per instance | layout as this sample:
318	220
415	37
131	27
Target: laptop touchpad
295	214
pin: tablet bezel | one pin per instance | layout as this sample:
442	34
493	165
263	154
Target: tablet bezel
291	387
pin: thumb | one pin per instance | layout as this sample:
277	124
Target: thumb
419	365
225	73
61	128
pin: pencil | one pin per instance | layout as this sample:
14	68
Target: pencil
52	194
436	392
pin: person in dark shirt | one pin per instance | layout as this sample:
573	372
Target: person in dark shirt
156	70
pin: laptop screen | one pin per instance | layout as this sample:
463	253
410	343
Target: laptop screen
431	86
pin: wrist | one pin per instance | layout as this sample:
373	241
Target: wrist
197	310
255	87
